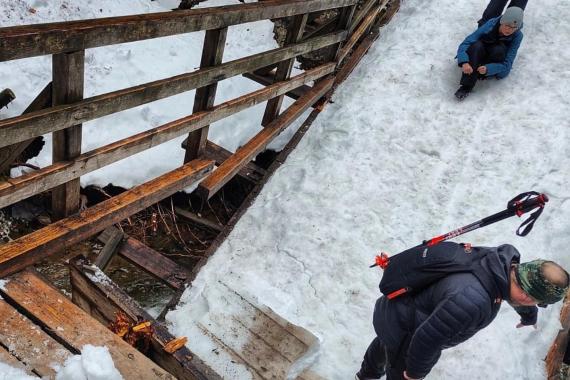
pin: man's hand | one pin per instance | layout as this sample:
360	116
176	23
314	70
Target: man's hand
408	377
521	325
482	70
467	69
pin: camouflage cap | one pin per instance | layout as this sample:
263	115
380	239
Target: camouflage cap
532	280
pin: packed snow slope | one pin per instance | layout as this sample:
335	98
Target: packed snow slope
394	160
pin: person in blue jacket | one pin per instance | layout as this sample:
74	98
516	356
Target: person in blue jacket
413	330
491	50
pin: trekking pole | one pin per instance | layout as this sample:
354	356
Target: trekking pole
519	205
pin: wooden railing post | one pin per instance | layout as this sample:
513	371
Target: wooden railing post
212	54
345	19
294	35
67	85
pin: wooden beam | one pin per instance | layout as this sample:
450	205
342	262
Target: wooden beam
246	153
199	220
54	312
267	80
110	248
251	171
19	188
67	87
360	13
10	153
38	123
294	34
43	39
149	260
212	54
29	343
558	348
361	30
183	363
56	237
344	20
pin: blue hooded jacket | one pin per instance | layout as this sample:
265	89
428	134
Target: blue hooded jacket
500	70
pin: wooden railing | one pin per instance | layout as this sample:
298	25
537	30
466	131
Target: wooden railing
61	109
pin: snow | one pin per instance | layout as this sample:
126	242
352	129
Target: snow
396	160
94	363
393	161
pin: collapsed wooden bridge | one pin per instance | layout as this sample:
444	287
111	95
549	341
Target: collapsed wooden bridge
39	325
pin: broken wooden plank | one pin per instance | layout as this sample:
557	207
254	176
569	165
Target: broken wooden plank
267	80
33	348
10	153
15	189
42	39
251	171
294	34
69	324
360	31
67	87
212	54
111	246
21	128
558	348
99	289
57	237
197	219
246	153
360	14
149	260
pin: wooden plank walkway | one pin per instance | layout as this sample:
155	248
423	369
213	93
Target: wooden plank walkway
40	326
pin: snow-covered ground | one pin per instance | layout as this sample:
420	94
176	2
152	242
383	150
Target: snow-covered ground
396	160
393	161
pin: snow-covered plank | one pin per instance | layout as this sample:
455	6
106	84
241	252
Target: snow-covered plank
246	153
42	39
56	237
22	128
19	188
70	324
28	344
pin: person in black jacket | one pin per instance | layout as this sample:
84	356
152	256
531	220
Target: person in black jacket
414	329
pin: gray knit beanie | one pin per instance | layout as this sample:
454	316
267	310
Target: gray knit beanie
513	16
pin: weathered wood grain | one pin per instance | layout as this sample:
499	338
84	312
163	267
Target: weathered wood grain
56	237
360	31
267	80
111	247
149	260
38	123
19	188
246	153
67	87
212	54
56	313
43	39
99	289
294	34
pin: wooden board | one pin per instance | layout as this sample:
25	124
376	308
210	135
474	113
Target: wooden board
19	188
252	334
28	344
558	348
267	80
72	325
100	290
212	54
56	237
42	39
246	153
361	30
150	261
22	128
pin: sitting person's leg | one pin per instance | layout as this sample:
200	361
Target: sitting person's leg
518	3
496	53
477	55
494	9
374	363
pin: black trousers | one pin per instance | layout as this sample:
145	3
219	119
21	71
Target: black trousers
379	361
496	7
481	54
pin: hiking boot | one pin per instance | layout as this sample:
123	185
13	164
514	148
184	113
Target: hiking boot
360	377
463	92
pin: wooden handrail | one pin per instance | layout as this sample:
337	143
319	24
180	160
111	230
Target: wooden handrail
40	244
19	188
42	39
24	127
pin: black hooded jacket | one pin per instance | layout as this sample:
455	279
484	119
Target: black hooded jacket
445	313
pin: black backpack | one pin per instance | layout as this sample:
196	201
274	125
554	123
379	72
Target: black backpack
416	268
